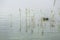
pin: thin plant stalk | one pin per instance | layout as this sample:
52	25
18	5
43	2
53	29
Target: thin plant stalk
10	20
33	23
26	20
20	18
52	14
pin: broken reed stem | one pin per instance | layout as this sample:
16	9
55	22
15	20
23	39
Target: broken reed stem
52	16
54	3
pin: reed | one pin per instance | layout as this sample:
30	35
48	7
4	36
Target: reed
20	18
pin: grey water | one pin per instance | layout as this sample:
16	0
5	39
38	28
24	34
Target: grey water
9	30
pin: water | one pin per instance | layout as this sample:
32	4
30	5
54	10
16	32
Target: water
13	33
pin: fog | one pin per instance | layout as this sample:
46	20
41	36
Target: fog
10	20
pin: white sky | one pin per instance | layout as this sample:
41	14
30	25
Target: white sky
42	4
26	3
12	6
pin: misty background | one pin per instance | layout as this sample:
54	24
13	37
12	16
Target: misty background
10	19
